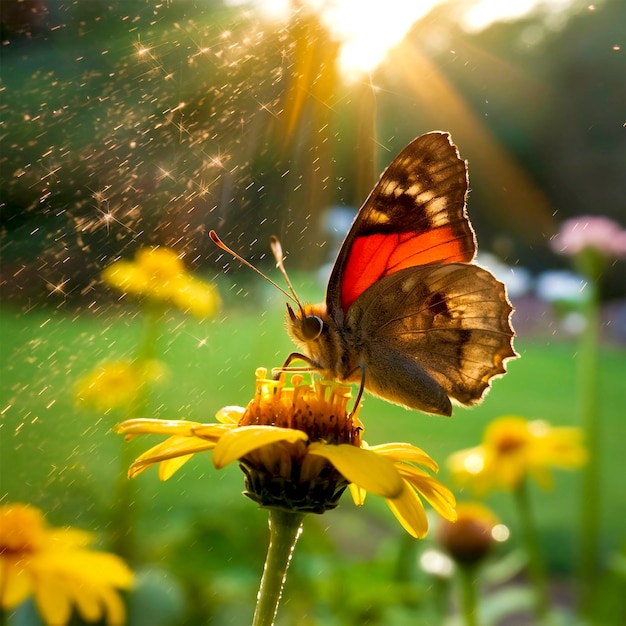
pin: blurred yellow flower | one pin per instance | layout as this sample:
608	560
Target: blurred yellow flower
514	448
299	448
56	566
117	384
159	274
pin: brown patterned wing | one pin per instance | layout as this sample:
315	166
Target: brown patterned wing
432	333
414	216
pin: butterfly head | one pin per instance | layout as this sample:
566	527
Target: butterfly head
307	324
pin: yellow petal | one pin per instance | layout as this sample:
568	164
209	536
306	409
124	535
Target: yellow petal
230	414
95	599
169	449
363	467
409	511
52	600
86	599
97	569
69	538
145	426
358	494
510	429
240	441
101	569
125	276
115	609
212	431
407	453
169	467
195	296
561	447
437	494
507	472
468	462
16	582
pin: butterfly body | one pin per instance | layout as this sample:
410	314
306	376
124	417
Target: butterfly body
406	312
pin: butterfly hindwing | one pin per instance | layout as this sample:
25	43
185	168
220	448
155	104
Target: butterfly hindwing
433	332
414	216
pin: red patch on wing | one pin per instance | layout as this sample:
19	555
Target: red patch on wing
374	256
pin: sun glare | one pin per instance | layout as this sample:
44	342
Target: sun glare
368	30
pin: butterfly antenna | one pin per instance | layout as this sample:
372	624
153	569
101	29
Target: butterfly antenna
220	244
277	251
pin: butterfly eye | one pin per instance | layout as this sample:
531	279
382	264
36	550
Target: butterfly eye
311	327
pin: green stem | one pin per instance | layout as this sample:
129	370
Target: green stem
153	315
124	512
125	494
468	593
406	559
591	425
146	352
536	567
285	529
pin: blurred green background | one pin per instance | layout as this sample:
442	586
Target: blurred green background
126	124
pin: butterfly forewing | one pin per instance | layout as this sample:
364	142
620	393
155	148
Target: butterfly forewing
414	216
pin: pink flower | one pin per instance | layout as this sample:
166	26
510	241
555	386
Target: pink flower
588	231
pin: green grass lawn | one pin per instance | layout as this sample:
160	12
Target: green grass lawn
66	460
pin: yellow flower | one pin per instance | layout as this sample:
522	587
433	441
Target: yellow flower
513	449
117	384
299	449
159	274
56	566
472	536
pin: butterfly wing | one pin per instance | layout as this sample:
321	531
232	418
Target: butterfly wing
433	332
415	215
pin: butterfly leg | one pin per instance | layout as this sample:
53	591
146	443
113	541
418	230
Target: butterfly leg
359	394
294	356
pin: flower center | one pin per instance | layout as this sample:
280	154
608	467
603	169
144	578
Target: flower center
510	444
320	410
282	475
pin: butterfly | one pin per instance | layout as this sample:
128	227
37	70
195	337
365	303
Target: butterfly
407	314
